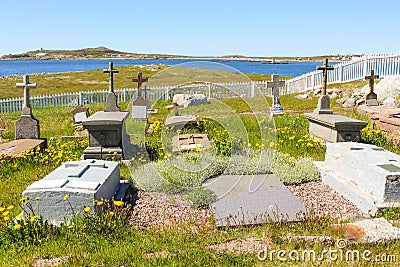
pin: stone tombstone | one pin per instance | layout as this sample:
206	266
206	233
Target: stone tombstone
139	113
27	127
82	181
275	84
112	101
16	147
335	128
107	136
367	175
253	199
189	142
140	101
79	114
324	105
371	98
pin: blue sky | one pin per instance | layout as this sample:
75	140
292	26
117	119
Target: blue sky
214	28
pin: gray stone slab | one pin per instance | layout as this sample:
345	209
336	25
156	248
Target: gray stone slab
83	181
367	175
253	199
334	128
189	142
19	146
178	122
139	113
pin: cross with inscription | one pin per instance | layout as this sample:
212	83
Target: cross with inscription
325	69
371	97
140	80
275	84
111	71
26	105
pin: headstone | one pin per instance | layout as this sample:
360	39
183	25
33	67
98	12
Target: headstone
107	136
367	175
16	147
335	128
82	181
253	199
188	100
275	84
189	142
140	101
27	127
371	98
324	105
139	113
79	114
112	100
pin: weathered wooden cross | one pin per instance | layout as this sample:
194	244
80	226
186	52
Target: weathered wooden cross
111	71
325	69
275	84
26	105
140	80
371	79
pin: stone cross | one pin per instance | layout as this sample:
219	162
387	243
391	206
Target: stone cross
371	97
140	80
26	105
111	71
325	69
275	84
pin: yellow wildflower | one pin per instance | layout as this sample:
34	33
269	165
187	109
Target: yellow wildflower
33	218
10	207
2	209
86	210
70	226
17	227
6	213
99	203
19	216
271	144
118	203
111	213
37	198
65	197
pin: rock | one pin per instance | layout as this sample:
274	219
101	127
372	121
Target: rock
334	95
317	91
358	94
346	95
390	102
351	102
329	91
387	87
302	96
360	101
341	100
337	91
170	107
187	100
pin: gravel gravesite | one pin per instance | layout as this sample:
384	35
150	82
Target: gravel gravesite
201	177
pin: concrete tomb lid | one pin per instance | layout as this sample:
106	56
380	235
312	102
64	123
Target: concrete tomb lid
106	118
16	147
335	120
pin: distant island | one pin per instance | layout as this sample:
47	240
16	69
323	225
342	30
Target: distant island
102	52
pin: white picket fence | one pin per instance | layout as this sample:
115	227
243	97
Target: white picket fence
211	90
356	69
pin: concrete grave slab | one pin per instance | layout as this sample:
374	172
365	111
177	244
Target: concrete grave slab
253	199
83	181
367	175
19	146
107	136
180	121
189	142
334	128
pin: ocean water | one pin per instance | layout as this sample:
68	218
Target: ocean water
21	67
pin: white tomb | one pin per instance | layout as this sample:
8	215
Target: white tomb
83	181
367	175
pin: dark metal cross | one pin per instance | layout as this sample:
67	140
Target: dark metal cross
371	79
26	85
111	71
325	69
140	80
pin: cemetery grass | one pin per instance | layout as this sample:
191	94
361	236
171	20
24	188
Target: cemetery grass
187	244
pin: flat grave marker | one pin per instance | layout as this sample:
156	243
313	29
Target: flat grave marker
253	199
